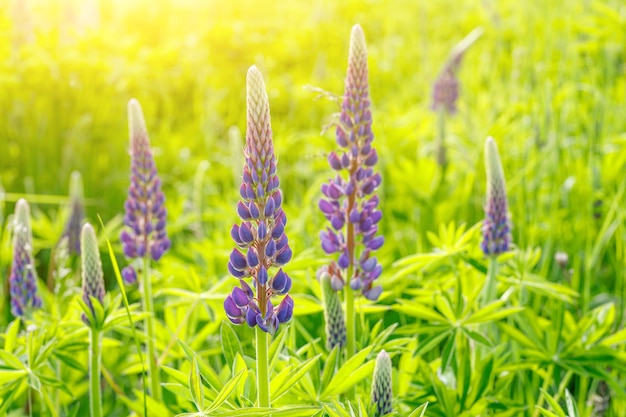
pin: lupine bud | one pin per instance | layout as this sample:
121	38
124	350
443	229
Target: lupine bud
93	279
260	239
333	314
496	227
145	216
77	213
23	278
350	204
381	385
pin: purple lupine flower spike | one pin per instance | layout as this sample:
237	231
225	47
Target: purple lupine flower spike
260	238
496	227
23	278
145	213
446	87
350	204
93	278
77	213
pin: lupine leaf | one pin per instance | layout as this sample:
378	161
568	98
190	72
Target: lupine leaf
419	411
572	409
10	335
195	385
294	374
230	343
346	372
225	392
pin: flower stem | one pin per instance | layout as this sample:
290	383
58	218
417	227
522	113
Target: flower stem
544	387
490	291
262	372
350	323
95	395
148	306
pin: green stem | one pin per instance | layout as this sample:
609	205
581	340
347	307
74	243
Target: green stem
490	290
148	306
544	388
442	158
95	395
262	372
350	322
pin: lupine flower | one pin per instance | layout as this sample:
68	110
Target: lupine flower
446	87
77	213
333	314
496	227
260	238
93	279
381	385
350	203
23	278
145	213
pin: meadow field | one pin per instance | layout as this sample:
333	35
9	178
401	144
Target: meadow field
535	329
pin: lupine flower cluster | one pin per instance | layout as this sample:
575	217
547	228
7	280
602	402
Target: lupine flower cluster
260	238
145	212
333	314
74	223
23	277
382	385
496	227
93	278
446	87
350	204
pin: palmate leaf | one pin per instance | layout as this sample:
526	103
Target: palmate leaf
419	411
231	346
556	408
195	385
290	376
351	373
225	392
10	335
206	371
291	411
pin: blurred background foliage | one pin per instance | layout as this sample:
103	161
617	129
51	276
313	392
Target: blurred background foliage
546	79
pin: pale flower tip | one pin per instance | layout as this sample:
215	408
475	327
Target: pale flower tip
254	77
136	121
76	185
88	238
358	46
22	212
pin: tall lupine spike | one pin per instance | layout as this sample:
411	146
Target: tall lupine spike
77	212
23	277
91	265
333	314
145	214
496	227
382	385
350	204
260	238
